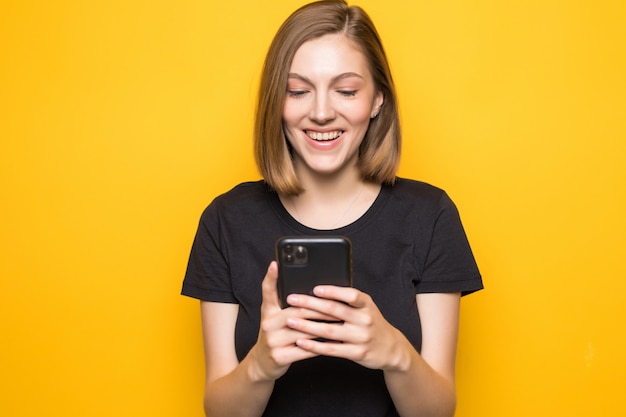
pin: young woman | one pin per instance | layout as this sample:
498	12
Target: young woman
327	143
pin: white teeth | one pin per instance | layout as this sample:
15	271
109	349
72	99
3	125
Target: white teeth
324	136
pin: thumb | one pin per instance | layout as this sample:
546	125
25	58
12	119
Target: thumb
269	286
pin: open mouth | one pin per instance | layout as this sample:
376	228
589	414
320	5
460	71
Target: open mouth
324	136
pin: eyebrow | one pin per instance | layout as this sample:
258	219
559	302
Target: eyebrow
293	75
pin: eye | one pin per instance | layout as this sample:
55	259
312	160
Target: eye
296	93
347	93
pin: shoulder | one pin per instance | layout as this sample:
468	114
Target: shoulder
416	188
243	198
244	192
420	193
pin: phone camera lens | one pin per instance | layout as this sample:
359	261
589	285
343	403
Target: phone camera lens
288	254
294	254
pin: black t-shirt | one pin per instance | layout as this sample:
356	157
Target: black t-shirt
410	241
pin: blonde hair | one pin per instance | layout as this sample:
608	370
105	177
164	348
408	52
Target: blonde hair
379	154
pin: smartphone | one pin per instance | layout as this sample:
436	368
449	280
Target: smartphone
305	262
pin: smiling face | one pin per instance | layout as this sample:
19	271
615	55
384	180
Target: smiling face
330	100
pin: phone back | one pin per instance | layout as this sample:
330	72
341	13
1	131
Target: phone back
304	262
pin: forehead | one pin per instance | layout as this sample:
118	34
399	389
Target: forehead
330	55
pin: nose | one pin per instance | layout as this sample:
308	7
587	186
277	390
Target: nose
322	111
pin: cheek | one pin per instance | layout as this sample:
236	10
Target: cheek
294	110
361	115
290	122
358	112
288	127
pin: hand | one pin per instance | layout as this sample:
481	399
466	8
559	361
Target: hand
276	349
361	334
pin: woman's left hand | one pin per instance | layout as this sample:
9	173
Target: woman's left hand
361	334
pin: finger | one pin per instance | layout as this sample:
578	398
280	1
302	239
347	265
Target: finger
350	296
268	286
335	310
285	337
276	331
291	354
332	348
306	313
315	329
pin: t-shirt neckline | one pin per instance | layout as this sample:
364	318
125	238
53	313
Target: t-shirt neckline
299	228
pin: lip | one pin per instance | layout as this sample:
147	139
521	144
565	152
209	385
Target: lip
324	144
324	135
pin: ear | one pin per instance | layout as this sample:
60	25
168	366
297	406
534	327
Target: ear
378	103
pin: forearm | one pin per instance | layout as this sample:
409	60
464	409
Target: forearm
239	393
417	389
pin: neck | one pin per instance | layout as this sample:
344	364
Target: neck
328	186
331	201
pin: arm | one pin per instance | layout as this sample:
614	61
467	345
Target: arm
230	389
420	385
424	384
243	389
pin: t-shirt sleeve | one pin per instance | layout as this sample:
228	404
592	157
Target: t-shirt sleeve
449	265
208	274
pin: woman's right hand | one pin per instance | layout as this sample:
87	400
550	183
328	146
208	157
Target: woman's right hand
276	349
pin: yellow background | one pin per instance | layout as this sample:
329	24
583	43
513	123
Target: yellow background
121	120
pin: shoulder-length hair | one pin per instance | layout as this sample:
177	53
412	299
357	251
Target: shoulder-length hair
379	153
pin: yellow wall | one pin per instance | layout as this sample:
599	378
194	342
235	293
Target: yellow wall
120	120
